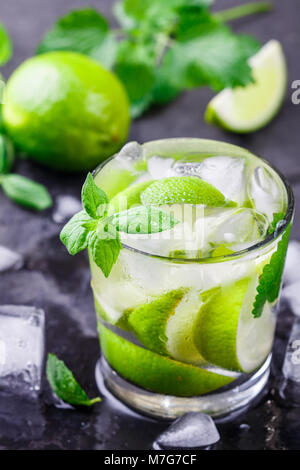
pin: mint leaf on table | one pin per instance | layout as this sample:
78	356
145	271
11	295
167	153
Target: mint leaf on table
5	46
163	47
84	31
214	58
64	384
270	280
25	192
143	220
6	154
94	200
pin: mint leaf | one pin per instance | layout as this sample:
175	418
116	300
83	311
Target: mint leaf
64	384
84	31
5	46
25	192
214	58
94	200
143	220
75	233
6	154
135	66
277	217
105	247
270	279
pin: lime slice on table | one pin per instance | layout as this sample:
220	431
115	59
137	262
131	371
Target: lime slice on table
226	333
247	109
183	190
157	373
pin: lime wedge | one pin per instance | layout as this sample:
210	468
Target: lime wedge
182	190
157	373
247	109
149	320
129	196
226	333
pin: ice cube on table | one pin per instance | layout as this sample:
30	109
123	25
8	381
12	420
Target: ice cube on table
290	385
10	260
265	192
227	174
290	294
65	207
21	349
291	273
191	431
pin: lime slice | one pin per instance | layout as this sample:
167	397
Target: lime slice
149	321
180	330
226	333
157	373
252	107
129	197
182	190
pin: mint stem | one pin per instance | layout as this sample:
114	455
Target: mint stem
243	10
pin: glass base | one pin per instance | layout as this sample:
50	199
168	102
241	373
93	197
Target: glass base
155	405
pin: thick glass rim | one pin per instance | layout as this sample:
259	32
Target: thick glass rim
268	240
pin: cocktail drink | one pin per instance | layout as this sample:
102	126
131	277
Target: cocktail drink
186	315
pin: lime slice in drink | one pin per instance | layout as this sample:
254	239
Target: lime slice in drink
182	190
129	197
227	335
157	373
247	109
149	320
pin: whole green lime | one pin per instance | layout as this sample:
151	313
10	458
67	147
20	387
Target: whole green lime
65	111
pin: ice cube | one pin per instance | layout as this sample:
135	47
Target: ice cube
186	168
65	207
10	259
236	228
159	167
290	385
21	348
227	174
291	294
265	193
131	151
291	273
190	431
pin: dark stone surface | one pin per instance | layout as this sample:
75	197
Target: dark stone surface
60	284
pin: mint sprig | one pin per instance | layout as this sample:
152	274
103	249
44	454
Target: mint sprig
162	47
98	230
64	384
270	280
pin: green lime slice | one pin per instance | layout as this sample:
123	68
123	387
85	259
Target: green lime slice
149	320
182	190
252	107
157	373
226	333
129	197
